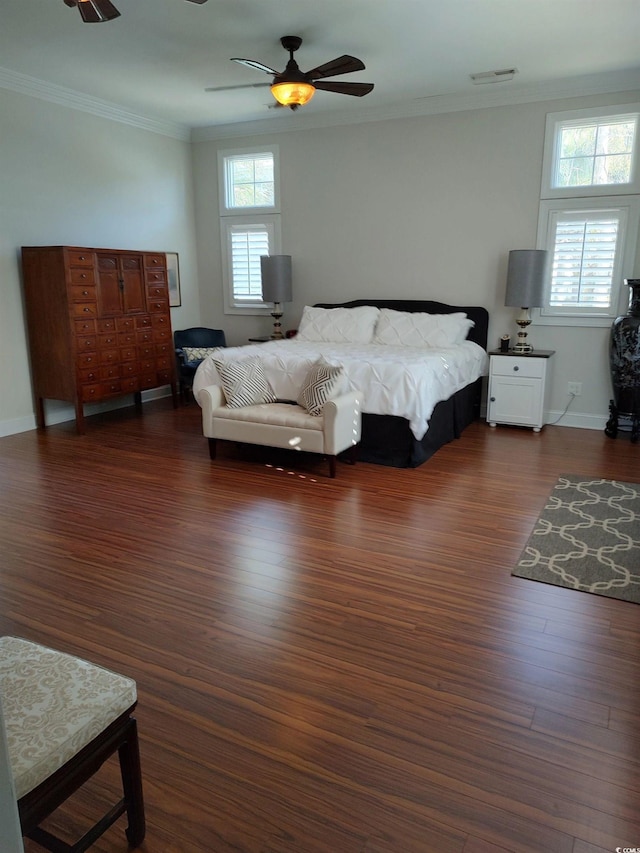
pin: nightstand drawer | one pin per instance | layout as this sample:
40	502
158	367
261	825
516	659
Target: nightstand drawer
513	365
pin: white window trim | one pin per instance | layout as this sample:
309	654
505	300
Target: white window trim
272	226
630	224
269	217
248	211
551	141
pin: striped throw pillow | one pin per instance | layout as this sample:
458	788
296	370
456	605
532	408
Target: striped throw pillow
323	382
244	382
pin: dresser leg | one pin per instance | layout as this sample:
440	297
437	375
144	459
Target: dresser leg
80	427
40	412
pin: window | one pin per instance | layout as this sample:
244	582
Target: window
589	213
250	224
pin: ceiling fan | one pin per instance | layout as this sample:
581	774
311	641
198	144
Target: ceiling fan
292	88
95	11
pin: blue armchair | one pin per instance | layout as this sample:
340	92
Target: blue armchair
187	361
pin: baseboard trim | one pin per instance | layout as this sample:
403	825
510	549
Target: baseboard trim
67	413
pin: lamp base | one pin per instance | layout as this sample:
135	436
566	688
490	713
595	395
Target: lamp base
524	321
277	335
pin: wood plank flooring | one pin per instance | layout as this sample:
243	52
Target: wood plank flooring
331	666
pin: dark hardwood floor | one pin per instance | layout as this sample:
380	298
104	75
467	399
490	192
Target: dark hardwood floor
331	666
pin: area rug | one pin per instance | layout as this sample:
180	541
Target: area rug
587	538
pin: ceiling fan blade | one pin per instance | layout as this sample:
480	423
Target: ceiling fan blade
95	11
251	63
342	65
357	89
240	86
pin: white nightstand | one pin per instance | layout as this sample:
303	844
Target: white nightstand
518	388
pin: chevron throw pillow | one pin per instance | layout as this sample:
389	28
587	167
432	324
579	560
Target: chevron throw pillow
323	382
244	382
198	353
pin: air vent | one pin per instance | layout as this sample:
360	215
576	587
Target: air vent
500	76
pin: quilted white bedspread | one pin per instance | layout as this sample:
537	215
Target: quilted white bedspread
403	381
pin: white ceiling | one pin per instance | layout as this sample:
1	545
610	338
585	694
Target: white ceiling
156	59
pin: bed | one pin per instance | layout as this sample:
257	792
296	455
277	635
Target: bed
417	396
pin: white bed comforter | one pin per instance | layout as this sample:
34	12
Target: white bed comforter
403	381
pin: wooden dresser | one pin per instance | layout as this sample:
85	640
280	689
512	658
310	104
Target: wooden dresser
99	325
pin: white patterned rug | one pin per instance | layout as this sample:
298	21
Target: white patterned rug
587	538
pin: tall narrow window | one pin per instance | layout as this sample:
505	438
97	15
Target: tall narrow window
589	212
250	224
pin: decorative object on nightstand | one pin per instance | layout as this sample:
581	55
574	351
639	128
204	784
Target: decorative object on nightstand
624	364
518	388
526	276
276	287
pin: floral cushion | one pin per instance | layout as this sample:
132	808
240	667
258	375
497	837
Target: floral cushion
54	704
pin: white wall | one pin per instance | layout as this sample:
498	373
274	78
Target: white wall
70	178
424	207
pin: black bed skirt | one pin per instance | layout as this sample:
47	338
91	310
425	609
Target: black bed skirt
388	440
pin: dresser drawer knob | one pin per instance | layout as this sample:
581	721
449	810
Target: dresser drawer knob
516	368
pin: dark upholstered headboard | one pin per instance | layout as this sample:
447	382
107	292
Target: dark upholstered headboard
480	316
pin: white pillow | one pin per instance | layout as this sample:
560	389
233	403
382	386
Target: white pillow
244	382
198	353
406	329
338	325
323	382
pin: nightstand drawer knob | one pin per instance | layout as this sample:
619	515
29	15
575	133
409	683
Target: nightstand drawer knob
493	399
516	368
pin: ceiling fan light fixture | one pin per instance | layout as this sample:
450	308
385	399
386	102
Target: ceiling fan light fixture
294	94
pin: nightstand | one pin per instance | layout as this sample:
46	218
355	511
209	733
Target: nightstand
259	340
518	388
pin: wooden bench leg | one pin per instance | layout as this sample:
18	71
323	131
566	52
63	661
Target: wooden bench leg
332	467
212	448
129	754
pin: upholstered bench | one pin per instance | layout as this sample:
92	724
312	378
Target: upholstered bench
285	425
64	717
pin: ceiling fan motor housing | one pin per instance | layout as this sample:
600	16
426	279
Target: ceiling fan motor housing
291	43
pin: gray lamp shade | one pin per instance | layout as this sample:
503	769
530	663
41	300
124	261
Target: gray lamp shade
526	277
276	278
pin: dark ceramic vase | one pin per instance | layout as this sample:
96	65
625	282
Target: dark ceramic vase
624	363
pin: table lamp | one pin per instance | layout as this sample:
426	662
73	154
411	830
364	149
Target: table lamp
526	277
276	287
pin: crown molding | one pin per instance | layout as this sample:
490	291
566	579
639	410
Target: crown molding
502	94
26	85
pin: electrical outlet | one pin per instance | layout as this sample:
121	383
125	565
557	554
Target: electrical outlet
574	389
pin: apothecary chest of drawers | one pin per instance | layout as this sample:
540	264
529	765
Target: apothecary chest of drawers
99	325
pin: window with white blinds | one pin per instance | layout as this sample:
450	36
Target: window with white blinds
246	244
589	213
249	224
584	259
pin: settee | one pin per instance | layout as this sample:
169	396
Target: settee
284	424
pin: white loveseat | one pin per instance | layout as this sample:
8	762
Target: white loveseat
285	425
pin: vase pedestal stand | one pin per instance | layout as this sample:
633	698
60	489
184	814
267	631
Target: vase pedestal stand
613	424
624	365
